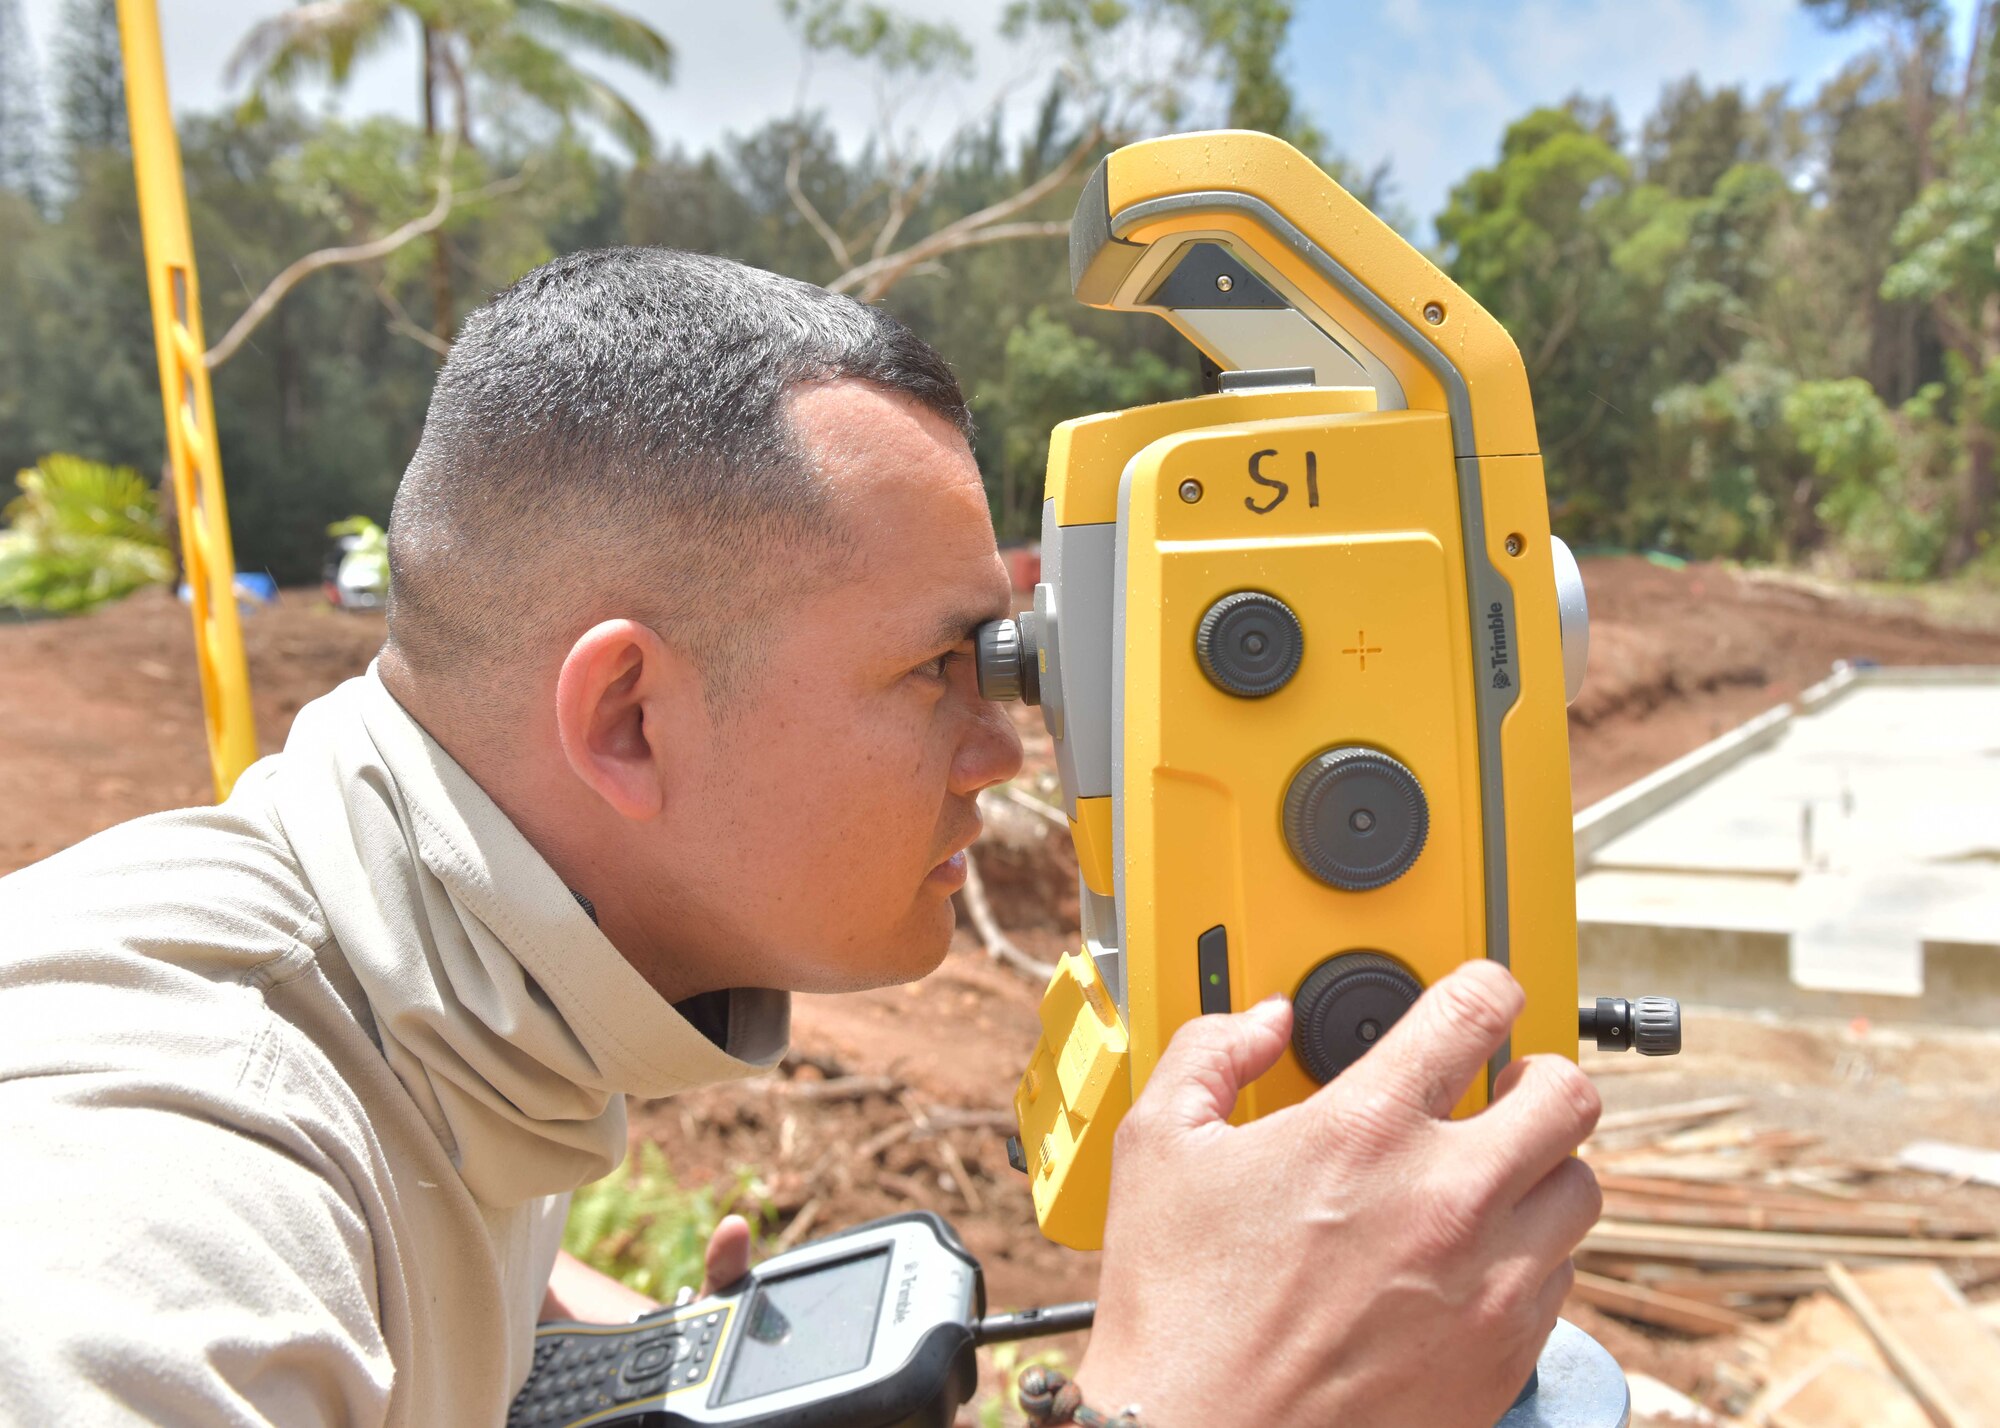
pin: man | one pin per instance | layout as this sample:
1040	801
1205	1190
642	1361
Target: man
676	716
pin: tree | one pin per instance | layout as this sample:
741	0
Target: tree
510	47
1534	239
1945	239
90	85
20	108
1950	244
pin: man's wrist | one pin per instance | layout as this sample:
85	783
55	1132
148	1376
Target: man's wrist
1110	1392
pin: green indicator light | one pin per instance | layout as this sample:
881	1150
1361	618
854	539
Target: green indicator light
1215	979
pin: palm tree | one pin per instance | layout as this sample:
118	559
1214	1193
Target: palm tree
514	45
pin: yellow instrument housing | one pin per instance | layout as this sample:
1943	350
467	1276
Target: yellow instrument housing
1390	494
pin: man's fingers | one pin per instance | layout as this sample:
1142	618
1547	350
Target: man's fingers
1212	1058
1544	1109
728	1258
1431	1055
1554	1217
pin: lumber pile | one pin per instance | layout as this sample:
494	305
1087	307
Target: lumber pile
1847	1306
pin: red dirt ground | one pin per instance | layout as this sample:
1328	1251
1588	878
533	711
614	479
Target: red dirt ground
100	721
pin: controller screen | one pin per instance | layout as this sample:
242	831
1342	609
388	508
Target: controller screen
810	1325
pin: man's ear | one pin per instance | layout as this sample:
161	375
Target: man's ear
625	709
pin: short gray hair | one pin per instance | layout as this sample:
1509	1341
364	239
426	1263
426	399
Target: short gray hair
609	436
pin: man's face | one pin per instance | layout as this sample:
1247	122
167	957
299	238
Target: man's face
823	843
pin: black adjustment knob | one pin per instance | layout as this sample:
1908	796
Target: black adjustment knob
1345	1005
1650	1026
1356	818
1007	660
1249	644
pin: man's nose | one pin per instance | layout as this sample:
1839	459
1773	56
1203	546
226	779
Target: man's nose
991	752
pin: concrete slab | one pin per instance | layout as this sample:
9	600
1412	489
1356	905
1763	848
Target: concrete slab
1840	852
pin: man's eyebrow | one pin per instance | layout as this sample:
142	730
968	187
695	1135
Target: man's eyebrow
957	628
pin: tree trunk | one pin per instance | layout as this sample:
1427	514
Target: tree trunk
441	294
1979	482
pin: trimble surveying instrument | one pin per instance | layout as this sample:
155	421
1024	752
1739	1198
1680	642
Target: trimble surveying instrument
1304	645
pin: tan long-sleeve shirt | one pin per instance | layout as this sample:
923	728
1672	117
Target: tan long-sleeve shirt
293	1091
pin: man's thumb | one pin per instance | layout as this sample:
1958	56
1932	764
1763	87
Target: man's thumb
1212	1058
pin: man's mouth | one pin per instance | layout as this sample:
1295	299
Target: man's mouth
951	870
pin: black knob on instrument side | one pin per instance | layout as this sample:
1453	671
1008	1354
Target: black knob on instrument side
1356	818
1345	1005
1249	644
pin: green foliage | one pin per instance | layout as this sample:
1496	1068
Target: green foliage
81	534
1767	327
888	38
90	88
643	1228
1051	374
1884	517
510	50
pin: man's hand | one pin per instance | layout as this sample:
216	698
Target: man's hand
1357	1259
576	1291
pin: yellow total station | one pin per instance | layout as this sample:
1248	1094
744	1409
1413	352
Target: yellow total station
1304	645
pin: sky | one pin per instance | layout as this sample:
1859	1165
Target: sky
1427	85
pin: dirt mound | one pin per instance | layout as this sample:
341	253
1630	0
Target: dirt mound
100	717
1679	656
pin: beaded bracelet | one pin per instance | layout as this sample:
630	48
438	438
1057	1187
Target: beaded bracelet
1049	1399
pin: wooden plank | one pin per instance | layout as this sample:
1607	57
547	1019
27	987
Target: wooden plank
1823	1218
1648	1306
1947	1357
1772	1249
1955	1162
1898	1215
1840	1393
1680	1112
1817	1328
1724	1286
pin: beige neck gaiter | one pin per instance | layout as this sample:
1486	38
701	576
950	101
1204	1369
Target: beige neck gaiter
516	1026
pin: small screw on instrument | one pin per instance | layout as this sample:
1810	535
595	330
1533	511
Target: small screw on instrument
1223	282
1190	491
1433	313
1515	545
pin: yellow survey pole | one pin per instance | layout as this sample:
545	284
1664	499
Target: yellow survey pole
196	462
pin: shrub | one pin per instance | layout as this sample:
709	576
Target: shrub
80	535
641	1227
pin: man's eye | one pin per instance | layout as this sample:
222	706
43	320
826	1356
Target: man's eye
940	667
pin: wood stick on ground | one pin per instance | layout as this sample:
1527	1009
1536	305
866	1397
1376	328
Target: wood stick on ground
798	1229
951	1118
1649	1306
1048	813
973	1200
840	1088
1930	1336
998	947
883	1139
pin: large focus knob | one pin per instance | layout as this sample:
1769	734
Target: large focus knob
1356	818
1344	1006
1249	644
1574	611
1006	660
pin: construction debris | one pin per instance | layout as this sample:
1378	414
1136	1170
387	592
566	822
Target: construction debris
1848	1307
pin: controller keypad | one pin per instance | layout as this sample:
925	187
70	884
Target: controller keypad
578	1374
